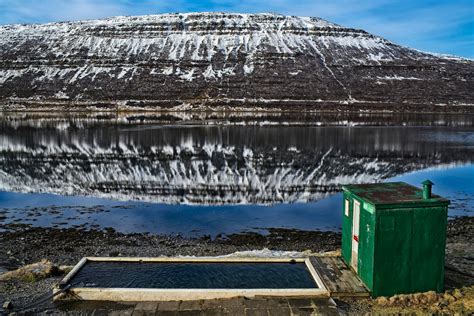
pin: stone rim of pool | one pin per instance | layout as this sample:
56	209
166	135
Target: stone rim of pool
66	290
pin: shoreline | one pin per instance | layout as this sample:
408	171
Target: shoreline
194	104
224	111
20	246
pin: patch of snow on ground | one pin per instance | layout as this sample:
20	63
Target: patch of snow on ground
267	253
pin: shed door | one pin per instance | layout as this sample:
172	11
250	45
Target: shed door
355	235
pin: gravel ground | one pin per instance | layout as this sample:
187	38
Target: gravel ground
21	245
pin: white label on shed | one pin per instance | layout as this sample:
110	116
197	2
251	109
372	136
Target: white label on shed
369	207
346	207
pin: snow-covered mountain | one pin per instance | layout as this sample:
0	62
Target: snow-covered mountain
219	60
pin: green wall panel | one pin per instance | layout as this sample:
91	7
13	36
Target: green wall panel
393	252
429	241
366	246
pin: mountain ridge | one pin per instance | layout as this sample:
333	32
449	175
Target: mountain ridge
116	17
221	61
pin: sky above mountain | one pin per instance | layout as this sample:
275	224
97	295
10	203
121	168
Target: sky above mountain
439	26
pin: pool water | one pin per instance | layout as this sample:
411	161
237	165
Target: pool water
194	275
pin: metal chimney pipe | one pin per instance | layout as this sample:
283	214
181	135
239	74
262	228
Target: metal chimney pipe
427	189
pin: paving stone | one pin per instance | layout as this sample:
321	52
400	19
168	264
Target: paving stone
147	306
233	302
100	312
316	306
277	303
212	304
140	312
236	306
124	312
166	313
279	311
303	311
256	312
255	303
188	312
212	312
324	301
300	302
168	306
234	310
191	305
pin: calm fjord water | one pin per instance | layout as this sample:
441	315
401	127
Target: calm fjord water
214	176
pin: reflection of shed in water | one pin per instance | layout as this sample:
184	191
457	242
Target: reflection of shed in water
394	235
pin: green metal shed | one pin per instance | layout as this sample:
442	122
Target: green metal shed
394	236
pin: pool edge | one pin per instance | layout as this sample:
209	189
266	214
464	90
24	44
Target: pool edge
62	292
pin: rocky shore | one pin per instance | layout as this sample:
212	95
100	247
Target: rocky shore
21	245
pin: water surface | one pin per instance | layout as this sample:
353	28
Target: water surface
194	275
213	177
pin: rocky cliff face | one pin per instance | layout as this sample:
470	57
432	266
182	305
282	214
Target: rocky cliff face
183	61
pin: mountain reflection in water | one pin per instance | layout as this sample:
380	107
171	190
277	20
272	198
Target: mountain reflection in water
225	163
240	173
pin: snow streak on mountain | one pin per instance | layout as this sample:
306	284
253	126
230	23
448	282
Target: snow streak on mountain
217	60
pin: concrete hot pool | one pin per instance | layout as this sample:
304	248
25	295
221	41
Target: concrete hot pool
144	279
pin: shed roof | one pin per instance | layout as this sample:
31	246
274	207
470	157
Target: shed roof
393	193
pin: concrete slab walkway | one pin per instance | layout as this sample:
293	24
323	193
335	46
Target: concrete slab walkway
235	306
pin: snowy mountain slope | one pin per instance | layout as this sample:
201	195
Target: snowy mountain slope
221	59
